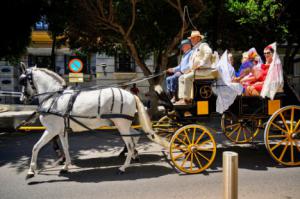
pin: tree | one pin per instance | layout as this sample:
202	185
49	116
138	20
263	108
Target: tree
137	26
57	14
17	18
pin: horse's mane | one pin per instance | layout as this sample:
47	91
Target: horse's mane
54	75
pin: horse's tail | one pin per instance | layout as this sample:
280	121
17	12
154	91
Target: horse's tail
146	124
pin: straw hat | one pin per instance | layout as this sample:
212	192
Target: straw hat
196	33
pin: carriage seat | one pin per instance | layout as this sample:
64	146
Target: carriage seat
206	74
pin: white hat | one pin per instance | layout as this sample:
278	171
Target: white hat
196	33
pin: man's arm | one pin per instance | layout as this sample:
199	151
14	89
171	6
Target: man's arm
202	61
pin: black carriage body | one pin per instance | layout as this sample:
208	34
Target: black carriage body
204	101
256	106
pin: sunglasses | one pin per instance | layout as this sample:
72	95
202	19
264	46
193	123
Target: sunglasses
267	53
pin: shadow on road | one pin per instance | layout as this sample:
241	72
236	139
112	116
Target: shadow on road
15	152
96	175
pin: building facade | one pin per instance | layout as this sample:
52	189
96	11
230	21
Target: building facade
99	69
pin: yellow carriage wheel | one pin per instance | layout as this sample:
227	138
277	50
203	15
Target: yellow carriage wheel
282	136
166	126
192	148
240	130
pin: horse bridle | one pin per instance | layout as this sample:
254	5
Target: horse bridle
24	79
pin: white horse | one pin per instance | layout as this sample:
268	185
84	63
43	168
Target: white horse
92	108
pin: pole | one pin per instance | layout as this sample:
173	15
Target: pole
230	173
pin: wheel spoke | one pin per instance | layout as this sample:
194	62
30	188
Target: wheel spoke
234	130
292	119
298	148
283	152
279	127
187	136
200	137
180	148
244	133
194	134
232	125
198	160
185	159
238	135
203	156
183	142
203	143
180	155
292	151
278	144
284	121
192	156
297	125
249	131
277	136
205	149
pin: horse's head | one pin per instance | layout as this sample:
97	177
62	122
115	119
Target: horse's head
26	81
39	82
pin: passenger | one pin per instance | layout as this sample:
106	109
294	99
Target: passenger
231	62
200	58
230	59
183	67
249	60
256	81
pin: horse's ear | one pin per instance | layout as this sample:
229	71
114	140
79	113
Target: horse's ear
35	66
23	67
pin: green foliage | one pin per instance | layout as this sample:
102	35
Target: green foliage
254	11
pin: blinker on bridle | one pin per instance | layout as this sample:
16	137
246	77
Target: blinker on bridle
27	76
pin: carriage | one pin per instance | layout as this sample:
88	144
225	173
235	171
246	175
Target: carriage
192	145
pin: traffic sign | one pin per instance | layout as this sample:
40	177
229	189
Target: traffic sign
76	77
75	65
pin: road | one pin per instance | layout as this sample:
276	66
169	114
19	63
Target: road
95	162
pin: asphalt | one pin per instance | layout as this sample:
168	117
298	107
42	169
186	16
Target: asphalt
95	162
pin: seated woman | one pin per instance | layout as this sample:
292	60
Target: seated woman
249	60
254	83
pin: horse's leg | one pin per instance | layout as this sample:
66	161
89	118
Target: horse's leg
59	152
135	140
123	126
46	137
65	144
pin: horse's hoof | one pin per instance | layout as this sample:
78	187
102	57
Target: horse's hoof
62	161
30	175
136	159
119	172
63	171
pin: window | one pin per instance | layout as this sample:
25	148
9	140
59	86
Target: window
41	25
124	63
42	61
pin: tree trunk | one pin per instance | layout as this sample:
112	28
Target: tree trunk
53	64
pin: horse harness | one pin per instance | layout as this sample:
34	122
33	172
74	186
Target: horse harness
67	115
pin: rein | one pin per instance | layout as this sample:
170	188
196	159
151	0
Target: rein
137	80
